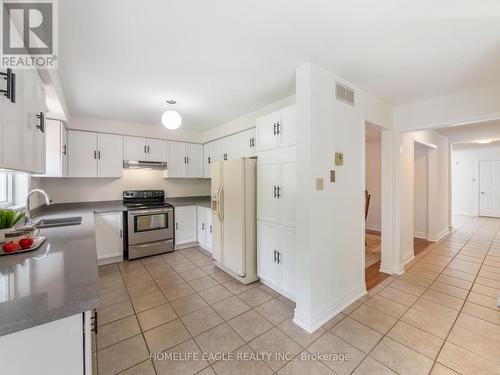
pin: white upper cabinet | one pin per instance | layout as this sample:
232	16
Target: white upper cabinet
94	154
207	159
156	150
56	137
109	155
276	129
185	160
194	155
134	148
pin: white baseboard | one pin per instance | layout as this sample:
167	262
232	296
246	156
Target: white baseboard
284	292
401	268
186	245
437	237
421	235
109	259
311	324
205	247
376	228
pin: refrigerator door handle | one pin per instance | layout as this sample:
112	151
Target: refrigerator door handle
221	200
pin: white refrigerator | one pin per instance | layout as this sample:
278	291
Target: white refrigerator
234	219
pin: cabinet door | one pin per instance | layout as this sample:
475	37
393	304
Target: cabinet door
194	154
39	135
202	230
64	150
266	131
207	158
266	245
108	235
134	148
286	249
248	143
110	155
287	195
208	228
157	150
82	154
287	126
33	107
176	159
223	149
12	138
267	182
185	224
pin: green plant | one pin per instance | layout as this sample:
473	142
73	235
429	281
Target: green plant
9	218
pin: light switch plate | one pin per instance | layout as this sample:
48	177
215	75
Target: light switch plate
339	158
319	184
332	176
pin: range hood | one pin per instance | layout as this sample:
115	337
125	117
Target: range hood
145	164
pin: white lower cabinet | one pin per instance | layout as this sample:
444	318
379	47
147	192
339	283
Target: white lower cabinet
275	257
60	347
185	226
109	237
205	229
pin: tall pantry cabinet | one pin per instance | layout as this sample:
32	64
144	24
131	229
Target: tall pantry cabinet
276	181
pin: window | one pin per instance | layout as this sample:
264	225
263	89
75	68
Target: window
5	190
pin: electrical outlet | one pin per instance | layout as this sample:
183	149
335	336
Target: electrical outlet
339	159
332	176
319	184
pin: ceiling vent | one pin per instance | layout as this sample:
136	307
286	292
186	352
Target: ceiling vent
344	93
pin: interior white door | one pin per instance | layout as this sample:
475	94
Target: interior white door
489	188
110	155
176	159
266	247
266	131
286	193
287	126
267	183
134	148
82	154
156	150
194	154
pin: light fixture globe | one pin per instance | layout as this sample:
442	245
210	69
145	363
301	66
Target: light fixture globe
171	120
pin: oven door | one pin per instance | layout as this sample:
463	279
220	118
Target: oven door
150	225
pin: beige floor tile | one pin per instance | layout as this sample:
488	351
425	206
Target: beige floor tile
185	359
373	318
275	342
140	289
387	306
112	297
429	266
399	296
449	290
443	299
236	287
148	301
465	362
114	312
184	266
333	321
178	291
408	287
357	334
430	275
459	283
215	294
439	369
353	306
427	322
156	316
488	282
416	339
166	336
436	310
143	368
303	364
249	325
401	359
189	304
482	312
275	311
174	258
268	290
486	301
240	364
220	339
371	367
170	281
135	280
201	321
209	269
286	301
192	274
116	331
221	276
203	283
254	297
207	371
121	356
297	334
485	290
329	344
459	274
230	307
477	336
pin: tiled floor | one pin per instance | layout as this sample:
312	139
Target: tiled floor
440	317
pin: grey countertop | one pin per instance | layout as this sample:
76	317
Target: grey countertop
190	201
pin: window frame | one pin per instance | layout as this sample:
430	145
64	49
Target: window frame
9	191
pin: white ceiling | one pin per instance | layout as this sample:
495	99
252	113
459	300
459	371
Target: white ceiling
481	131
121	59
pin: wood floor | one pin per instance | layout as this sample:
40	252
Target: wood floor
373	276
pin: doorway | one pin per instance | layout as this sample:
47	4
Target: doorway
489	188
420	197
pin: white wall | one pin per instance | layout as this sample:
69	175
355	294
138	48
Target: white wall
420	193
438	189
373	176
330	223
62	190
465	175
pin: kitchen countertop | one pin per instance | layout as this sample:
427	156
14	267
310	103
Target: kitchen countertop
57	280
190	201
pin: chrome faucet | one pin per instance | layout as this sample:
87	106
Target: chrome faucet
28	208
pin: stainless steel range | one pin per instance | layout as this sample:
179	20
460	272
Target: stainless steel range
150	223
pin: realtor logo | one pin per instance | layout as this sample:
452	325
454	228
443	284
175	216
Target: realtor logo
29	34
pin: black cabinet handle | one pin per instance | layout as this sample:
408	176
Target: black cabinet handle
278	128
95	154
274	191
278	195
278	257
225	156
210	229
10	92
64	150
93	322
209	160
149	150
99	154
275	256
145	149
176	226
202	226
274	129
41	122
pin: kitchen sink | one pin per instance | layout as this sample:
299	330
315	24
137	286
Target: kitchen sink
58	222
